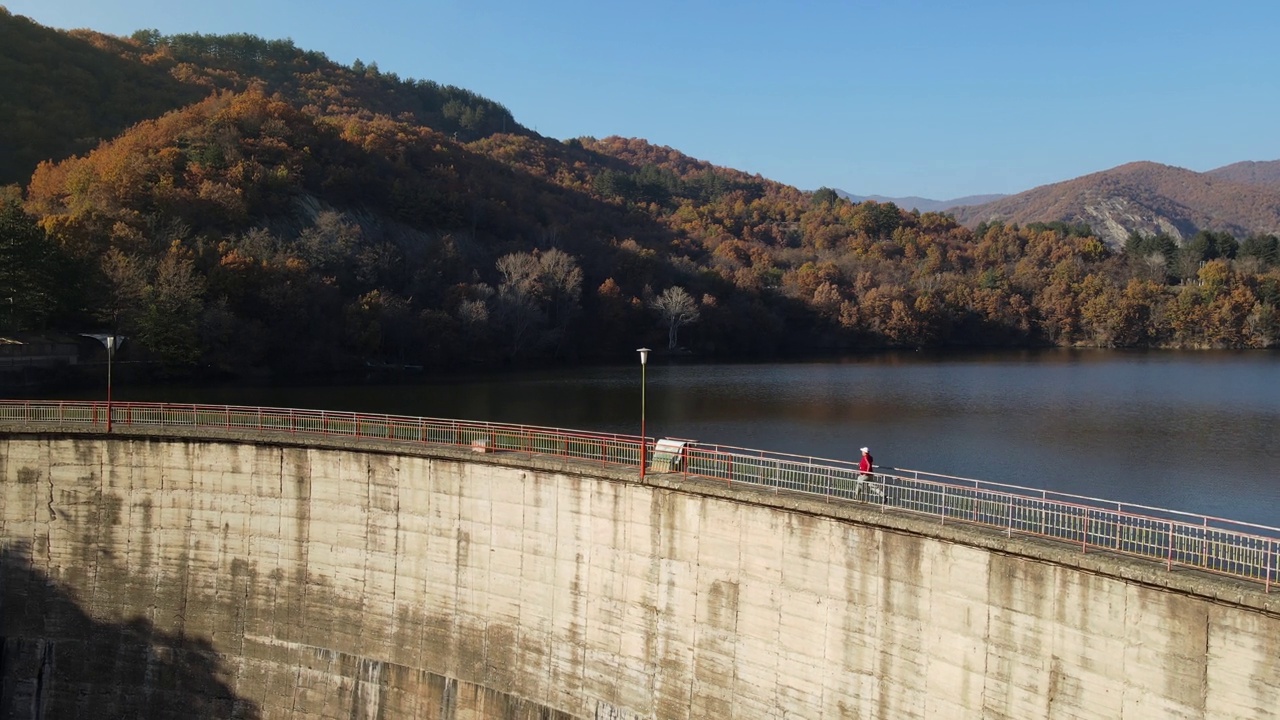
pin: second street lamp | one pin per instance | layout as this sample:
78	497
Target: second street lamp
110	342
644	440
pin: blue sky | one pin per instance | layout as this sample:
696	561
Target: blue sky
932	98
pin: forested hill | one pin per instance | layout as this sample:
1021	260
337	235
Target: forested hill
63	92
253	207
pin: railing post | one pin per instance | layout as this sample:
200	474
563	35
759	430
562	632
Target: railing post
1267	563
1168	564
1043	515
1084	537
942	505
1204	544
1008	504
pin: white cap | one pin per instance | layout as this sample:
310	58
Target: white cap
865	450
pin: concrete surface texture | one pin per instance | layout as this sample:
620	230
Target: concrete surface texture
172	577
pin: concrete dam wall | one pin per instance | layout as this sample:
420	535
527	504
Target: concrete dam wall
154	576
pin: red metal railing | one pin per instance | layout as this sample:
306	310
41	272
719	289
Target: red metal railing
1174	539
1218	545
491	437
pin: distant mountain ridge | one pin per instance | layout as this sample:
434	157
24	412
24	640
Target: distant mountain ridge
1250	173
912	202
1150	198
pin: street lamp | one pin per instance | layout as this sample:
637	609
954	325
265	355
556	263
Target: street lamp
110	342
644	440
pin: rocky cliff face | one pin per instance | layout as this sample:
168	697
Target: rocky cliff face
1114	217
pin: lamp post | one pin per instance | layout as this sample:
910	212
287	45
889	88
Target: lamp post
110	342
644	439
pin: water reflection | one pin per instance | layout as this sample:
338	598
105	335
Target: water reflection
1188	431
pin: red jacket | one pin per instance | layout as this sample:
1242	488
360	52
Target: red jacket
865	465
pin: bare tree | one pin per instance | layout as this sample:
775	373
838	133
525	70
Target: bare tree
518	299
560	281
677	308
1156	265
537	297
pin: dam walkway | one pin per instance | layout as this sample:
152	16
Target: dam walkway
1172	539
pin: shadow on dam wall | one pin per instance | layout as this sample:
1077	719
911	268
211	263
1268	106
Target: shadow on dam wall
58	662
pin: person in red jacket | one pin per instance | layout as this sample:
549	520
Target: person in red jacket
865	467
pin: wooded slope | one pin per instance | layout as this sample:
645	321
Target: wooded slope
304	217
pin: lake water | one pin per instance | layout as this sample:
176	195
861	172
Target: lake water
1191	431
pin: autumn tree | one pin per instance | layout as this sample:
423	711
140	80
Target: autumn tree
1188	317
1263	325
125	287
328	245
1101	318
1060	313
615	318
172	304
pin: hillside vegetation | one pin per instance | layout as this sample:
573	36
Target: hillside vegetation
300	217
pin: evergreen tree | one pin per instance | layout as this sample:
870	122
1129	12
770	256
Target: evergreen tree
30	266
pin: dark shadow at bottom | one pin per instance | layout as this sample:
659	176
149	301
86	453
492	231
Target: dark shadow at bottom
58	662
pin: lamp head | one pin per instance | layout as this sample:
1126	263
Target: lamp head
644	355
110	342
